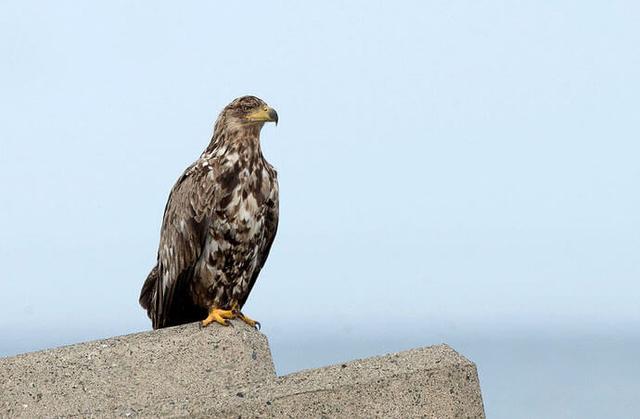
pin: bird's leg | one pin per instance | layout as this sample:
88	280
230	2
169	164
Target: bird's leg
219	315
238	314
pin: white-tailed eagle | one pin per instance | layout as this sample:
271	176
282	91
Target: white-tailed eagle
219	223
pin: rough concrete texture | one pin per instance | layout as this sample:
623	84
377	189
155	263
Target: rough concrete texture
154	372
228	372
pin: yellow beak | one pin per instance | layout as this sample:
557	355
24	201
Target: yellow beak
265	114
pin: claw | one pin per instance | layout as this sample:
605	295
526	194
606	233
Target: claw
220	316
249	321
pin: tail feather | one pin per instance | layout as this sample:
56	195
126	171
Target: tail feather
146	295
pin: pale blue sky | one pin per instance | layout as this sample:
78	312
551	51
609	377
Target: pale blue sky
447	169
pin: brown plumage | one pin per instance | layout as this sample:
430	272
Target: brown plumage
219	223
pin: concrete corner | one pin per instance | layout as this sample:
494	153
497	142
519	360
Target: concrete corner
228	372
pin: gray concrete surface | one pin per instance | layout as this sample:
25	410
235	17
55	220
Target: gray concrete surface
223	372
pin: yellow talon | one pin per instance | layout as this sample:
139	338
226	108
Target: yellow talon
219	316
238	314
248	320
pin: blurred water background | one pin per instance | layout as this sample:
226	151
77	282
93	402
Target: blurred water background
460	172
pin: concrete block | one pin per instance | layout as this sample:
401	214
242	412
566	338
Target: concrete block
433	382
155	372
223	372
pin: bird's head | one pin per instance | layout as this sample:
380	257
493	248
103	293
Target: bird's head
246	112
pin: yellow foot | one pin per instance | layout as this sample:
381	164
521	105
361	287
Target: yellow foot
238	314
248	320
219	316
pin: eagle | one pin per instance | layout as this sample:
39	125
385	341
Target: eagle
218	226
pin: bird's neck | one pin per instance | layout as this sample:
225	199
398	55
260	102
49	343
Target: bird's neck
243	139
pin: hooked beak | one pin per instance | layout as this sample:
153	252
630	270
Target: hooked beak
265	114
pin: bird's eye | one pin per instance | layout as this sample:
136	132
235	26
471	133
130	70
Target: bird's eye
246	108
